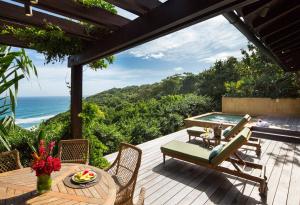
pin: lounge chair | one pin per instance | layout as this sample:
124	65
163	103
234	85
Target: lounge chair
254	142
202	156
229	133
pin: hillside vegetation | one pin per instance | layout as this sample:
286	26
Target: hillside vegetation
136	114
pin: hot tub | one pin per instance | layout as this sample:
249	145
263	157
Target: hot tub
213	119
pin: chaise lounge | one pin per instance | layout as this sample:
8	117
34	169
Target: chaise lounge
231	131
212	159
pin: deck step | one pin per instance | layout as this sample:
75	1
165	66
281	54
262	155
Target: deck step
276	136
276	131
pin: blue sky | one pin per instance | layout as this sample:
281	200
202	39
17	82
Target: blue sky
190	50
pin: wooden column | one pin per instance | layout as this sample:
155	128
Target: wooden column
76	101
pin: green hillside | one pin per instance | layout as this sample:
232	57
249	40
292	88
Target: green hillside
136	114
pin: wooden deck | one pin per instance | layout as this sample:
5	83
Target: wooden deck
183	183
285	123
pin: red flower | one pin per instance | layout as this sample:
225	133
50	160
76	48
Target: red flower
42	150
38	165
51	145
45	163
48	168
56	164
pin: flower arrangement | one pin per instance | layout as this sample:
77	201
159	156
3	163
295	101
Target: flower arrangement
44	163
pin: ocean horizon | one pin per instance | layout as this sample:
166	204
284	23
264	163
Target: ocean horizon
31	111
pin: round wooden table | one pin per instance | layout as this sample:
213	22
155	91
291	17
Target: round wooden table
19	187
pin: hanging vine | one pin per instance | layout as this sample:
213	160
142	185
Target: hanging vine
52	41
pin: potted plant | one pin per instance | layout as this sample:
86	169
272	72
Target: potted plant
44	164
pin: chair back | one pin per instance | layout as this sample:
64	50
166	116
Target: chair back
74	151
232	146
238	127
9	161
124	171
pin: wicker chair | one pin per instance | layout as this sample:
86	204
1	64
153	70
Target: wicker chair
124	171
74	151
9	161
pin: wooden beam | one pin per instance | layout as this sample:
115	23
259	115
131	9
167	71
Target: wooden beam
171	16
138	7
12	41
76	102
16	14
71	9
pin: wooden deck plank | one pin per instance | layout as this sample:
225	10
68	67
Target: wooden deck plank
273	172
276	173
182	183
189	188
243	196
239	183
284	182
294	188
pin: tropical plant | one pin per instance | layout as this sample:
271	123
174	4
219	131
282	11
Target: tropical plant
14	66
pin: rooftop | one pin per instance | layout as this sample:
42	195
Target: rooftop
179	182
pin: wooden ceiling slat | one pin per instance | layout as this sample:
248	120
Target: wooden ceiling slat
16	14
167	18
148	4
280	25
273	16
283	37
74	10
138	7
281	32
292	61
254	8
286	44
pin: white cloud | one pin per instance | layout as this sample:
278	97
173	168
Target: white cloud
51	81
220	56
178	68
192	48
200	43
94	82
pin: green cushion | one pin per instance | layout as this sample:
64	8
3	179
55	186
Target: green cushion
226	131
215	151
234	144
186	150
238	127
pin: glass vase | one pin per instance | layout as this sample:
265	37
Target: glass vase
44	183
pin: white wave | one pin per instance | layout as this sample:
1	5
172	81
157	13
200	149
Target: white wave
33	119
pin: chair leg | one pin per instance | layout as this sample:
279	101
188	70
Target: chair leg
263	188
164	158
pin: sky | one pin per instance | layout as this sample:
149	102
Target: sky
192	49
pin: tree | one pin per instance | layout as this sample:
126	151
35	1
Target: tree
260	77
14	66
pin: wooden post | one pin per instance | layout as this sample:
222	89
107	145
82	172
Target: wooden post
76	101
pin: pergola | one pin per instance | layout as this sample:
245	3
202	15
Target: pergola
272	25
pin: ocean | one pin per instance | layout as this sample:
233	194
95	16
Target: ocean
31	111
